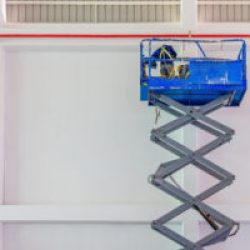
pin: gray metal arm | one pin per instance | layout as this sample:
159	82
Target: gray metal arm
221	224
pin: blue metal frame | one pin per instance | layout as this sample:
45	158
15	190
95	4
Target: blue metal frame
209	78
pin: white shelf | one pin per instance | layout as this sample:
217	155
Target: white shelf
86	213
103	213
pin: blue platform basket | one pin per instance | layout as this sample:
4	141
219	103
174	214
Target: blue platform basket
211	69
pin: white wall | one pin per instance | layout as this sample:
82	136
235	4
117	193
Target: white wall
77	136
2	118
56	107
84	236
235	157
76	131
61	118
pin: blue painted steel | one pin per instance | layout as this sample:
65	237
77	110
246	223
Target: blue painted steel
208	78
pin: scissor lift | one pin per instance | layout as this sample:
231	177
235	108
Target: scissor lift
210	84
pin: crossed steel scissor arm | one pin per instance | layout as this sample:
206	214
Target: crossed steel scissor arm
221	224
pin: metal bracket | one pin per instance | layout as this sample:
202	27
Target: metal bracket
197	117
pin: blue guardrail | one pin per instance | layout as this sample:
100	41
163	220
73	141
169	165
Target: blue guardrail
194	80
